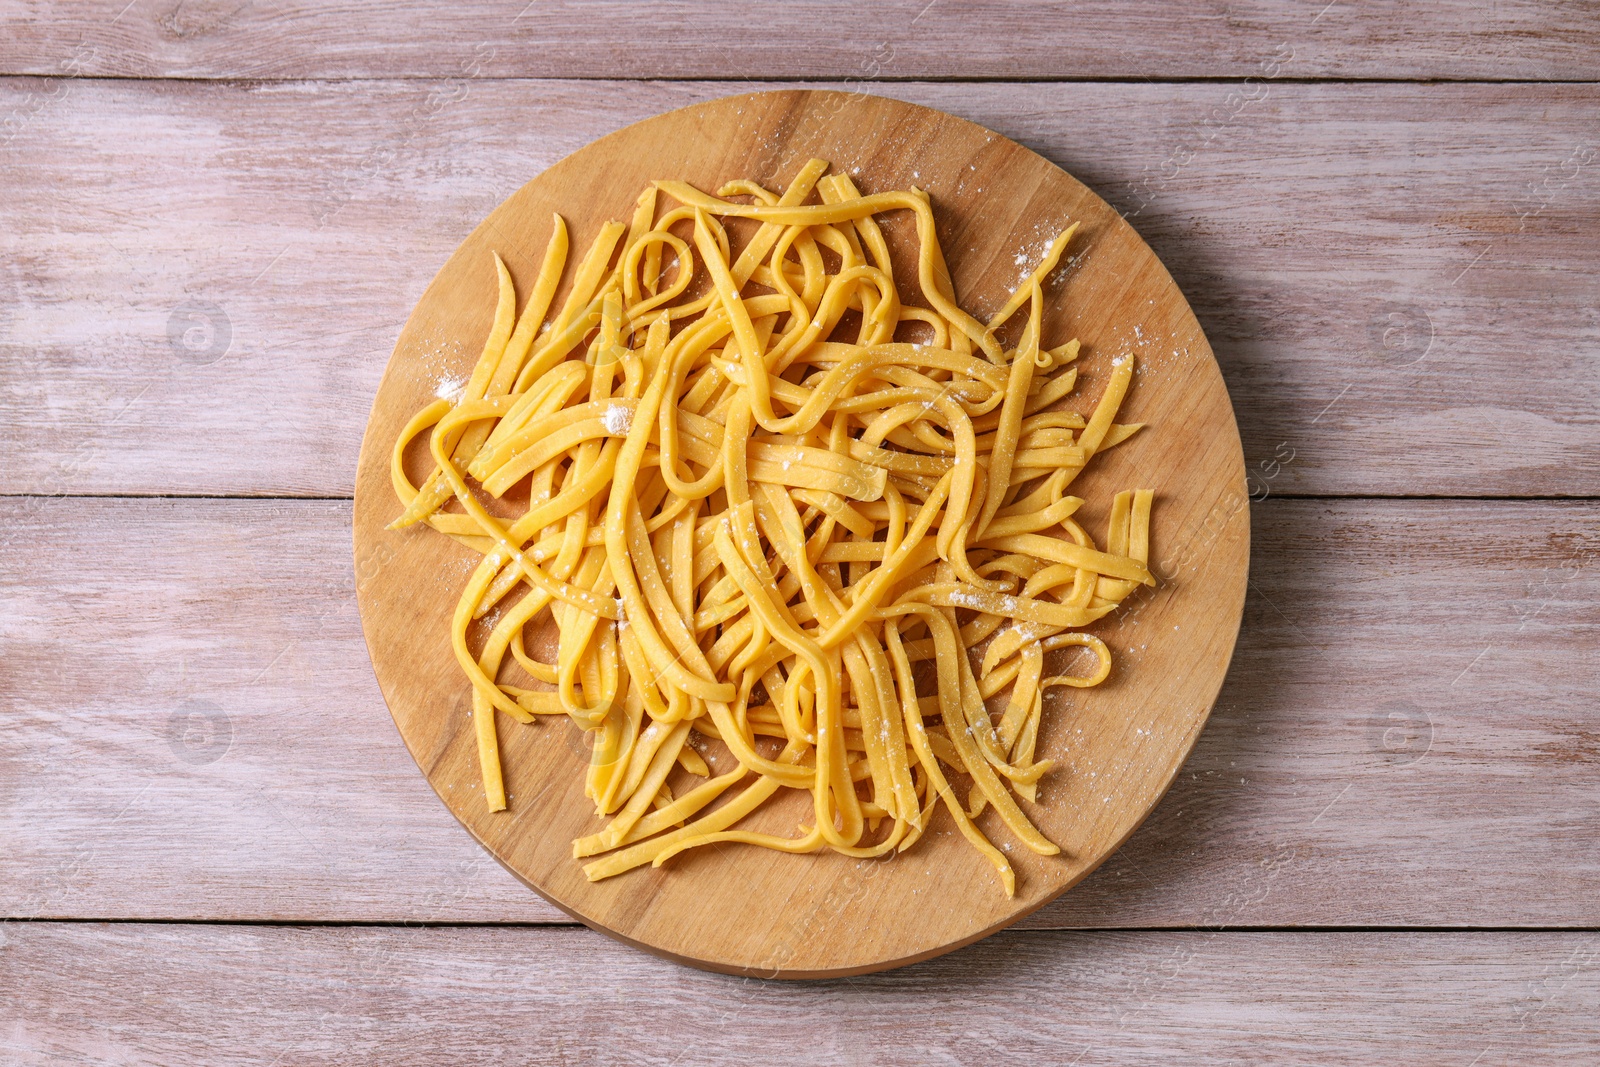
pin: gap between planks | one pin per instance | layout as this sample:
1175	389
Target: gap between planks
798	81
1021	928
1531	498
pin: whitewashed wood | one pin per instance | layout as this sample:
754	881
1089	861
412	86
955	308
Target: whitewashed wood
901	39
227	995
1304	802
1454	222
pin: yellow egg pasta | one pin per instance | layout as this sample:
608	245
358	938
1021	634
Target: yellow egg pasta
767	506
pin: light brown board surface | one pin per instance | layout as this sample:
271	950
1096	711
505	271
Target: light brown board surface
87	993
753	910
901	39
228	756
1397	279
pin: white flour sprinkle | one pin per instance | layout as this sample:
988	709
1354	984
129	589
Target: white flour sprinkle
618	419
451	389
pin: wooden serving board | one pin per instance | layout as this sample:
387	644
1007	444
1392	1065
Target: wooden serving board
749	910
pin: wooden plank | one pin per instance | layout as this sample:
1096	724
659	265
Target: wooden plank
229	742
189	728
899	39
224	995
1390	274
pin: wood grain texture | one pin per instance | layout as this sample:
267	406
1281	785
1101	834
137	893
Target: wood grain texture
901	39
1398	280
201	282
1408	736
94	994
752	910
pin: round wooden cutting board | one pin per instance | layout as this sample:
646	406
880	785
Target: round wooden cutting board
750	910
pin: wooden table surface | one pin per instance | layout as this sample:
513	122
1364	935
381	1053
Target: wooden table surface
214	219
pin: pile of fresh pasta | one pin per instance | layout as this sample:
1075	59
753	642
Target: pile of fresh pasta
780	515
